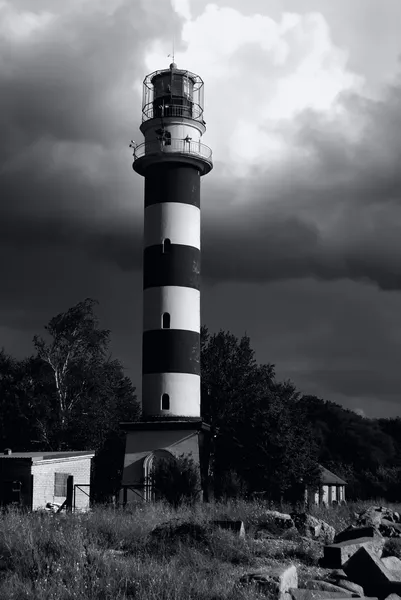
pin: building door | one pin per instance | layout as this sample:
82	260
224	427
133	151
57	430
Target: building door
10	493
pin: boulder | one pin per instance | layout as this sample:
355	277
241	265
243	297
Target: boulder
276	520
353	533
393	597
179	529
371	516
346	584
337	574
368	570
325	586
392	562
301	594
336	555
350	586
390	528
314	528
374	516
275	582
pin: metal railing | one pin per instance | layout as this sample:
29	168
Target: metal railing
176	146
193	111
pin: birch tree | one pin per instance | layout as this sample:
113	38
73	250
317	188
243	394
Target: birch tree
75	347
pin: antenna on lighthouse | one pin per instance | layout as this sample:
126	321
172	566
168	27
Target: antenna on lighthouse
173	54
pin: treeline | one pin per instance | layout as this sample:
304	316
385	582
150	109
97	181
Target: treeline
271	437
267	437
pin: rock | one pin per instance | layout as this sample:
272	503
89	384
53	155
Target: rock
367	569
348	585
353	533
176	529
276	582
335	555
390	528
337	573
276	520
325	586
393	597
234	526
312	527
392	562
374	515
300	594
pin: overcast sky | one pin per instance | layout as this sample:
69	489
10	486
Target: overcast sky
301	216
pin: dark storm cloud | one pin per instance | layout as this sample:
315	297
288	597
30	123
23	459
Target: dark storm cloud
336	217
68	111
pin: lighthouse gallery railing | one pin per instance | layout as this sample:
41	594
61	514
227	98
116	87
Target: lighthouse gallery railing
175	146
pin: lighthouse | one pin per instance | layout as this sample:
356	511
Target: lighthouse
171	159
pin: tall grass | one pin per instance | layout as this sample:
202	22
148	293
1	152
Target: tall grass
116	554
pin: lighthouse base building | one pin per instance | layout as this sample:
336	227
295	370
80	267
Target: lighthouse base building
148	441
172	161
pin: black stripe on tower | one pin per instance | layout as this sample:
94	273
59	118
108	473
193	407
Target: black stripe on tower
172	183
175	265
171	351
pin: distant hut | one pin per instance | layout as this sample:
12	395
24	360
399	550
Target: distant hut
331	489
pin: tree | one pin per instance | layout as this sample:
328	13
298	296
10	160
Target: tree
90	393
22	390
260	431
77	342
365	452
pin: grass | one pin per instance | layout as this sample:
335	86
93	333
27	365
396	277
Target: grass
148	552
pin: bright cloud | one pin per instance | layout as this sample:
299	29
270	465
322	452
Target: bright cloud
19	26
182	8
260	74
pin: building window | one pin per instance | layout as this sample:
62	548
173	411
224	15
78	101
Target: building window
166	246
60	484
165	402
166	321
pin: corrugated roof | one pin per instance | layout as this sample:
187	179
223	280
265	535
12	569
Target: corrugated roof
329	478
48	455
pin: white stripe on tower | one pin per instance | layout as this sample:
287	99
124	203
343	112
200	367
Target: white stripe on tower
173	221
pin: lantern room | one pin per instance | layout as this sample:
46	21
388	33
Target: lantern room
172	92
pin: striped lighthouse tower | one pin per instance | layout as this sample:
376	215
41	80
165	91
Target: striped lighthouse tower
172	159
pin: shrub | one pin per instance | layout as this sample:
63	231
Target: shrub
176	481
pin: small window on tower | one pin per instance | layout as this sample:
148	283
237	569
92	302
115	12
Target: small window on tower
166	321
165	402
166	246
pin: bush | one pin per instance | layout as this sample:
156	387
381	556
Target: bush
176	481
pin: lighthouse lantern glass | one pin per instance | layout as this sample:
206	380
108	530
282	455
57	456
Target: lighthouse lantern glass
174	93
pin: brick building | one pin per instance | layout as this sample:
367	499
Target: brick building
34	479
